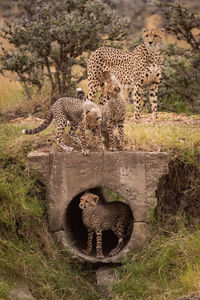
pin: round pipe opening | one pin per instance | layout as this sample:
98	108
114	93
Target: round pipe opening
76	232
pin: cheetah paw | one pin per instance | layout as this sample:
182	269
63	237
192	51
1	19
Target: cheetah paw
85	152
87	252
112	149
100	256
103	148
66	148
113	252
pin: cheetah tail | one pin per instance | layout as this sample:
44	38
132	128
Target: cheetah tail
43	126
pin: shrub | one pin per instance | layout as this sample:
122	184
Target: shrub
53	39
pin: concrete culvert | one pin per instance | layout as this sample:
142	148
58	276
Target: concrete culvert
66	176
77	234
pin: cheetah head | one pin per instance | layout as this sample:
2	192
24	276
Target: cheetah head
153	37
88	200
111	91
93	119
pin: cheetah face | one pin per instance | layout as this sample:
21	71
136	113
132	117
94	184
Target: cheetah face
93	119
88	200
112	90
153	38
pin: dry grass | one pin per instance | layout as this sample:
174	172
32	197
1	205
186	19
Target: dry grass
172	133
11	94
178	135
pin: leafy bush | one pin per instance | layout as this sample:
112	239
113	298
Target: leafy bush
49	43
182	65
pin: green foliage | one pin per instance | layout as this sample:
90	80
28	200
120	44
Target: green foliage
112	196
180	87
182	65
48	45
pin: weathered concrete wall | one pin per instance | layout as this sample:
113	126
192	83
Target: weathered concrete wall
133	175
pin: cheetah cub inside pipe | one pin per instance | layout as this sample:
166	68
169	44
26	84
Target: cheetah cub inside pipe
98	217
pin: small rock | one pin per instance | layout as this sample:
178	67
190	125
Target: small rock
105	277
59	237
21	292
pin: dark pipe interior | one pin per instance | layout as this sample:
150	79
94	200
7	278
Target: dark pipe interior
77	232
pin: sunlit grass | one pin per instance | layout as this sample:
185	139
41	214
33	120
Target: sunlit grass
11	94
171	138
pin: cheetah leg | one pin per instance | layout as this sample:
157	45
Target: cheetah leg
99	249
84	145
121	134
100	138
73	135
130	95
61	125
153	95
92	89
137	102
111	137
89	241
120	232
102	98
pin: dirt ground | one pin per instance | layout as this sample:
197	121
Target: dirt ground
163	118
46	142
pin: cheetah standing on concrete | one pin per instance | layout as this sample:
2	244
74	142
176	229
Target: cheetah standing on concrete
78	113
98	217
113	113
132	69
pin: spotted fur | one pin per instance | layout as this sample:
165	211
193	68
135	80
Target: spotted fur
113	113
131	69
98	217
75	112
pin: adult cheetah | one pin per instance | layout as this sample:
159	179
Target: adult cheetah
131	69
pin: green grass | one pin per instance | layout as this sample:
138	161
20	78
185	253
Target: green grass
27	251
167	268
175	139
169	265
49	274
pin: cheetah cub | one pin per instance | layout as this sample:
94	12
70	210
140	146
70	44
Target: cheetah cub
98	217
113	114
75	112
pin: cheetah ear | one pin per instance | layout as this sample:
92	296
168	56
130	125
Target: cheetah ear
162	29
96	198
144	30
